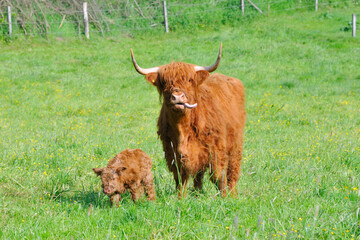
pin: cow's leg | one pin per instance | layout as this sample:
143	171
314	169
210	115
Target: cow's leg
218	173
171	163
219	178
115	199
179	177
176	178
184	182
149	187
233	170
198	180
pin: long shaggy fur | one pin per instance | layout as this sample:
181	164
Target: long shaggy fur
208	136
128	170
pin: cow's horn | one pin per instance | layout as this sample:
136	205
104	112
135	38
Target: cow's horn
212	67
140	70
190	106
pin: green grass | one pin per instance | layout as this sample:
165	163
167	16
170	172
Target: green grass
67	106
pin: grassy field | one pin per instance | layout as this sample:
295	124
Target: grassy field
67	106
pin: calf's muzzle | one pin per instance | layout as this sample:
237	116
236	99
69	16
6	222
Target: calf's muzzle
108	190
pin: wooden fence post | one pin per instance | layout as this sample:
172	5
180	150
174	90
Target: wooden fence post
86	20
166	18
243	6
9	20
256	7
354	25
316	5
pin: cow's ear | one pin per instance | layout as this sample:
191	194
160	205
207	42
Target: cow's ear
98	171
152	78
201	76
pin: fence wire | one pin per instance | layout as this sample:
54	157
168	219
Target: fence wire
112	20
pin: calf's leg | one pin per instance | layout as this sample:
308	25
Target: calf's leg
115	199
149	187
135	190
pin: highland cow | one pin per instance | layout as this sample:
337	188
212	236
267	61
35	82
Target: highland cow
201	122
130	169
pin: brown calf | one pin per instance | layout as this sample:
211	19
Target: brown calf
130	169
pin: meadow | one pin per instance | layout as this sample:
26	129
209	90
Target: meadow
68	105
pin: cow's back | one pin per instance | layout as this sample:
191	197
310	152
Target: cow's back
223	100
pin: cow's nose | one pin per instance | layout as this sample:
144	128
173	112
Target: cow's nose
177	97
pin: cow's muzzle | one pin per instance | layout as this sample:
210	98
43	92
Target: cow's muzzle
179	100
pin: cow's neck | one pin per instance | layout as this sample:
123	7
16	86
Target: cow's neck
179	120
180	125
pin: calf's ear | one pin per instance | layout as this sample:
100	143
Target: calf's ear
152	78
201	76
120	169
98	171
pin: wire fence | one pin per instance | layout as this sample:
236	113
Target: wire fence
151	17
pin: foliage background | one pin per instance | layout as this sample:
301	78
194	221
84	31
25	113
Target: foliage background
109	17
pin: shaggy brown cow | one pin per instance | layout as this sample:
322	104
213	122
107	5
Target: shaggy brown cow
201	122
130	169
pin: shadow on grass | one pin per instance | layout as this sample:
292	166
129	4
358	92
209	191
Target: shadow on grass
97	199
85	198
62	190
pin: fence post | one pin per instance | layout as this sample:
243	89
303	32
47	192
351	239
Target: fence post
86	20
9	20
243	6
166	18
256	7
354	25
316	5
